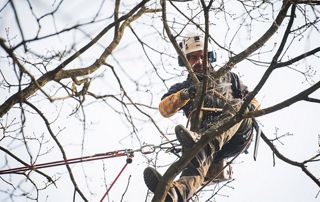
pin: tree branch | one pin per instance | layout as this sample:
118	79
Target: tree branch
298	58
289	161
259	43
60	147
58	74
174	42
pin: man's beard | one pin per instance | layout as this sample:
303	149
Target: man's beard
199	71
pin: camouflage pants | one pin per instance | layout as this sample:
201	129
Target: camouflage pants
193	176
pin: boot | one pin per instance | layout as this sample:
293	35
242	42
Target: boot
185	137
152	177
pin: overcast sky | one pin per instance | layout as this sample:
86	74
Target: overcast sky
107	130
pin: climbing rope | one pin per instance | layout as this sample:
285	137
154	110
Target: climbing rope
100	156
129	153
150	148
145	149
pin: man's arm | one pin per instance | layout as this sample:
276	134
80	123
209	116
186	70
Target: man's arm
176	98
172	103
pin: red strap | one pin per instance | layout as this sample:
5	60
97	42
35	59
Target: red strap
114	181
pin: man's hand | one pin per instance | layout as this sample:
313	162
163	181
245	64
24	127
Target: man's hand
188	93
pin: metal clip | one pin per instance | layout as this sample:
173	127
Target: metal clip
147	149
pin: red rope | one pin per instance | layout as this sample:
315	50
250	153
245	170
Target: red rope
100	156
114	181
112	154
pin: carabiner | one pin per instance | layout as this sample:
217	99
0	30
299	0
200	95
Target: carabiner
147	149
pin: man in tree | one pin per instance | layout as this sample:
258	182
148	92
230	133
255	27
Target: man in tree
223	98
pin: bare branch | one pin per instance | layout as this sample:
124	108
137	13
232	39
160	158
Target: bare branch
291	162
259	43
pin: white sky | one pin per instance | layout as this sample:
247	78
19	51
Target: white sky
108	131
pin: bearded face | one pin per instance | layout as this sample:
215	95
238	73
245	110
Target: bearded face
196	61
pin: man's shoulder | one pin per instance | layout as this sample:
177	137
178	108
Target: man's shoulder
177	87
182	84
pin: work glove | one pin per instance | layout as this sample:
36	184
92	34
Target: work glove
188	93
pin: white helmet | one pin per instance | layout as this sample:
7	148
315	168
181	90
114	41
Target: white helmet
194	41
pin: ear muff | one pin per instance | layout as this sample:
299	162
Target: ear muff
212	56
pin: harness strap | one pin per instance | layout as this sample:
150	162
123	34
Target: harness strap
235	85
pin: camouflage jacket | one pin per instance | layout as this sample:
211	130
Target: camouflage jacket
230	87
